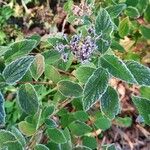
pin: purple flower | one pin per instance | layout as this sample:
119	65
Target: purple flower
82	48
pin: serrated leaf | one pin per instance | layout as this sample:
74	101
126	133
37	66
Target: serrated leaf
104	27
95	87
19	136
83	73
27	128
124	27
69	89
19	49
17	69
115	10
2	110
79	128
142	105
7	139
38	66
56	135
103	23
28	99
132	12
109	103
116	67
40	147
140	72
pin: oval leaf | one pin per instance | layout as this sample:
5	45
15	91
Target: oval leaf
143	106
38	66
140	72
17	69
70	89
56	135
28	99
124	27
109	103
95	87
18	49
7	139
117	68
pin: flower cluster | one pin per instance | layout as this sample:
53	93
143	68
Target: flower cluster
82	48
61	49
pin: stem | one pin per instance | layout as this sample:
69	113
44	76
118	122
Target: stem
25	7
66	73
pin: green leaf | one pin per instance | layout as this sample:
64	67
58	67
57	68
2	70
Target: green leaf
145	92
38	66
124	27
48	111
17	69
132	2
116	46
28	99
123	122
40	147
145	32
2	110
104	27
140	72
115	10
103	43
52	73
19	49
142	5
56	135
19	136
101	122
35	37
116	67
146	14
81	116
51	56
83	73
94	88
103	23
69	89
132	12
4	49
89	142
109	147
27	128
109	103
143	105
79	128
7	139
68	6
